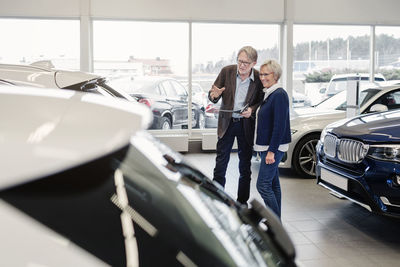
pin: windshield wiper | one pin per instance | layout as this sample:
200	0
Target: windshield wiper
199	178
269	223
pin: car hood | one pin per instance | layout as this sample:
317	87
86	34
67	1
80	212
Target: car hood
371	128
52	130
312	111
302	115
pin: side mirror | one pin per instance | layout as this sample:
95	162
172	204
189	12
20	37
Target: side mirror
322	90
378	108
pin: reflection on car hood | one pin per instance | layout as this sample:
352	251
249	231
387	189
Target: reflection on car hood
67	78
380	127
52	130
312	112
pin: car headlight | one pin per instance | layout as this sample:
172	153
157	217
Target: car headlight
385	152
323	134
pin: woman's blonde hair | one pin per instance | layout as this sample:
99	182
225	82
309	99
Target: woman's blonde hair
274	66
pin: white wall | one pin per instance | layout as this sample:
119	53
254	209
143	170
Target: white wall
40	8
197	10
221	10
347	11
304	11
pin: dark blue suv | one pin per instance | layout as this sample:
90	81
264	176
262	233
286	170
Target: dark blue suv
359	159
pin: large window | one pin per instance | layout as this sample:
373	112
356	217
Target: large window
150	61
387	51
320	51
216	45
25	41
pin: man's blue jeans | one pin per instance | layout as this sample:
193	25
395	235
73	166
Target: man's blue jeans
268	182
224	148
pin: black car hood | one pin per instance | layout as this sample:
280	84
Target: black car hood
371	128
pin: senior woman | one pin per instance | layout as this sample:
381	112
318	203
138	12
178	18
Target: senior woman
272	136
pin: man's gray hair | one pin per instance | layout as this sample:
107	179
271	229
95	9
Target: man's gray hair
250	52
274	66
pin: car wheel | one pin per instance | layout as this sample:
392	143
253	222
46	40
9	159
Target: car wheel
305	156
201	121
165	123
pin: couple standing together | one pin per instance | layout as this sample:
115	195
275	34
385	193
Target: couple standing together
264	124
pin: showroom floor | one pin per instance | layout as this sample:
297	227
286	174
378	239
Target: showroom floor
326	231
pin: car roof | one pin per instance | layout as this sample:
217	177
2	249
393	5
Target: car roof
52	130
39	75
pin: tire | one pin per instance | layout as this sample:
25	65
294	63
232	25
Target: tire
165	123
201	121
304	159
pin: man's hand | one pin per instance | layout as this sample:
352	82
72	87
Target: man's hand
215	92
247	113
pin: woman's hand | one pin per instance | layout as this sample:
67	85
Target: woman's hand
270	158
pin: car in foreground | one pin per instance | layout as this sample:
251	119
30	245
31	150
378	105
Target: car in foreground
82	184
359	158
307	123
167	98
43	75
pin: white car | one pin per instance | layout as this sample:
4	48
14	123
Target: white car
338	82
82	184
307	123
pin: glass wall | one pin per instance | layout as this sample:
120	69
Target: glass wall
149	60
216	45
25	41
320	51
387	52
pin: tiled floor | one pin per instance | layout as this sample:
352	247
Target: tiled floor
326	231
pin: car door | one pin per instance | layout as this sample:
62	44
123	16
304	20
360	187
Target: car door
183	101
176	102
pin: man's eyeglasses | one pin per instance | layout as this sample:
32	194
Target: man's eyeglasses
245	63
265	74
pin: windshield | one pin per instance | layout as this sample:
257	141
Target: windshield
193	203
338	101
144	199
340	84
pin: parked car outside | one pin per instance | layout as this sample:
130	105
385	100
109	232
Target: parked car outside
338	82
81	175
307	123
167	98
300	100
358	159
211	112
199	96
41	75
